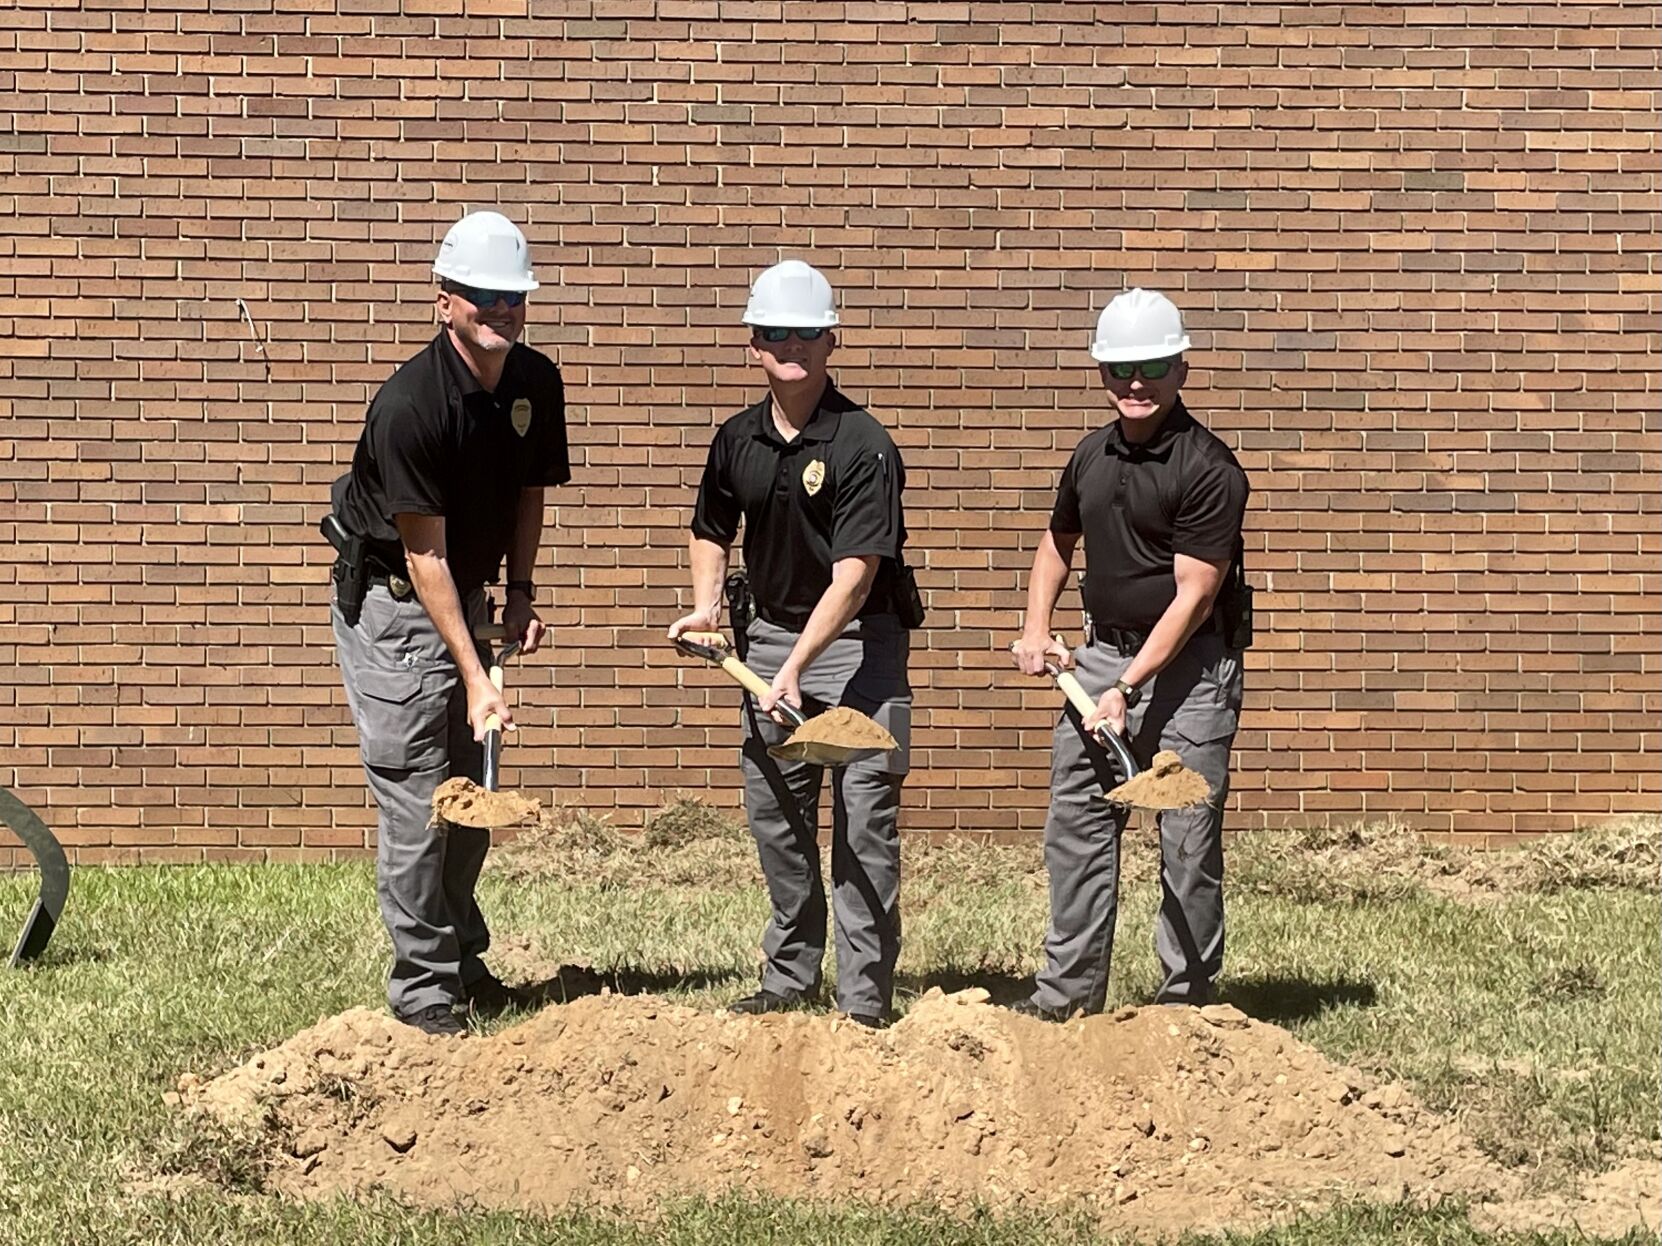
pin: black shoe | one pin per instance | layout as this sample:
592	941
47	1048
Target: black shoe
439	1020
1032	1008
868	1019
770	1001
489	996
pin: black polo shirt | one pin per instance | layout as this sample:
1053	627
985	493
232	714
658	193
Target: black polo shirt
436	442
1182	492
832	493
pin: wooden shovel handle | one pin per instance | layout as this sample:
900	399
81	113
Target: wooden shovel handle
1075	692
746	678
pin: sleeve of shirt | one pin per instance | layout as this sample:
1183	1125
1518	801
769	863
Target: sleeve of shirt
555	468
865	514
1209	519
410	455
717	512
1064	516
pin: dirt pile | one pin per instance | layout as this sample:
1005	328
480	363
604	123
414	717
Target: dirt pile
464	803
1167	784
1162	1118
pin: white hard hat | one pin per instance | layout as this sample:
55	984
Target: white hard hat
1139	324
485	250
791	295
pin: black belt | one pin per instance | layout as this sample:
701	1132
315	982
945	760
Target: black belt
1126	641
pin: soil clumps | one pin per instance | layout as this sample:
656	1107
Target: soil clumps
1159	1118
1167	784
464	803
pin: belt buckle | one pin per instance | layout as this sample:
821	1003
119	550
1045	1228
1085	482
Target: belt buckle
399	587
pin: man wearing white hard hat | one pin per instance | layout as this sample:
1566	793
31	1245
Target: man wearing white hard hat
1159	502
447	481
816	483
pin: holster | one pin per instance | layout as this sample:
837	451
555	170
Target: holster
1234	605
908	601
741	609
351	570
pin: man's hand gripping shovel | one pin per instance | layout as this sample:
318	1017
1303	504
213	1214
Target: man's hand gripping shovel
833	739
464	803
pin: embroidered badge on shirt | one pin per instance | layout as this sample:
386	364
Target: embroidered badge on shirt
813	476
521	416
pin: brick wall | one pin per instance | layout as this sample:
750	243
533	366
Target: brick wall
1417	246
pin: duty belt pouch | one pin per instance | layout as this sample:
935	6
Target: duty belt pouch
351	570
908	601
740	607
1235	607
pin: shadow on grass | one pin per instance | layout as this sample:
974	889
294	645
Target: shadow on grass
576	981
1004	988
1281	998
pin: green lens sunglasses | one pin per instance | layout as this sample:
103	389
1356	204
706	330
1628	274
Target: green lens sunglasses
1151	369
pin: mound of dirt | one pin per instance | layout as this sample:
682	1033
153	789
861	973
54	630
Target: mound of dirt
464	803
1161	1118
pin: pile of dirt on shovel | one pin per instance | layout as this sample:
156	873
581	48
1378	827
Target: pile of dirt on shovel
1160	1118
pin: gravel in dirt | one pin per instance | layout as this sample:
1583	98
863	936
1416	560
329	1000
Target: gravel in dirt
1167	784
464	803
1160	1118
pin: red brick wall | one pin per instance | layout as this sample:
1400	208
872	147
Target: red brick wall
1417	246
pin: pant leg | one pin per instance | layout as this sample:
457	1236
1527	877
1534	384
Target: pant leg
1189	934
865	873
781	801
1082	857
401	685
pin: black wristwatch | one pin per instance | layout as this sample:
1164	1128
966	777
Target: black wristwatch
523	586
1130	692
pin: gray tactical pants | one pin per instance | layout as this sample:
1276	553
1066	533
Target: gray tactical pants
410	708
1193	708
865	669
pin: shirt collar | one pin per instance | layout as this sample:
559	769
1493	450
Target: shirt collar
1177	422
822	427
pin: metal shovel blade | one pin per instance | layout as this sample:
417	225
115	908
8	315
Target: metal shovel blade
54	877
819	753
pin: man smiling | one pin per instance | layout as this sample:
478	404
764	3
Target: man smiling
1159	502
447	479
816	482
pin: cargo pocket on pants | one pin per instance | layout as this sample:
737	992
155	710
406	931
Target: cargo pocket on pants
401	722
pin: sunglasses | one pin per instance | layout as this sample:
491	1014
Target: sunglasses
775	334
485	298
1151	369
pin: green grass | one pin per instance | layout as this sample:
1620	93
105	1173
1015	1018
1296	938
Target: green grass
1527	1007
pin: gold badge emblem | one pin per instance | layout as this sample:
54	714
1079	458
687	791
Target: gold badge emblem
521	416
813	476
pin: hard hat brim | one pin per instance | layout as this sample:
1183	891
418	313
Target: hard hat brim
522	284
1137	354
784	320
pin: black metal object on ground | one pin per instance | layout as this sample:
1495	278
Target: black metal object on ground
43	918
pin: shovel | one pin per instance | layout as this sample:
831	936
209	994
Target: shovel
801	745
1105	735
465	805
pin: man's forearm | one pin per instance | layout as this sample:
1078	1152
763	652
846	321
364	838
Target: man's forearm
851	581
522	546
436	589
1045	582
709	572
1188	610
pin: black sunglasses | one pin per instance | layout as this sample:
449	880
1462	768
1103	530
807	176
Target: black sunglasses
1152	369
484	298
773	333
